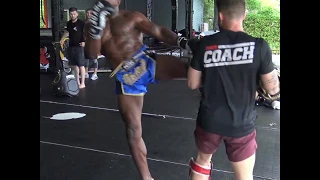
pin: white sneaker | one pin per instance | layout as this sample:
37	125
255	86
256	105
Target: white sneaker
94	77
87	75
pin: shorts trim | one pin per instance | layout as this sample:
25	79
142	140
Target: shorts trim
129	94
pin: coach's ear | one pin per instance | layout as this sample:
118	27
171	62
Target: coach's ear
119	2
245	15
221	16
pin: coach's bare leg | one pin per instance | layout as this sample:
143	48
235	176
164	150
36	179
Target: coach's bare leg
243	170
130	109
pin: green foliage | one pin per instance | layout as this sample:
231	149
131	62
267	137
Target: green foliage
270	12
265	24
41	21
263	19
208	12
253	5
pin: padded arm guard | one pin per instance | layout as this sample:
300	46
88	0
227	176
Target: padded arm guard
100	11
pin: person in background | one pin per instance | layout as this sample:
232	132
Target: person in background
94	61
75	31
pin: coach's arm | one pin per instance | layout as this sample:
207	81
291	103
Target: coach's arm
195	68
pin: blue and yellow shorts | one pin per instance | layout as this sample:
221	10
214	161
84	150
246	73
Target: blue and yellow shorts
132	76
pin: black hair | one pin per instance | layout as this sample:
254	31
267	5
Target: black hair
89	9
72	9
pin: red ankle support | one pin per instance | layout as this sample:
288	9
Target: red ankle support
201	170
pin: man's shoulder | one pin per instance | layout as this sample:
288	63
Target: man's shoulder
209	35
232	34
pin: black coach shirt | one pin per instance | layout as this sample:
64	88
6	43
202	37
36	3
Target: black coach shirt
76	32
231	63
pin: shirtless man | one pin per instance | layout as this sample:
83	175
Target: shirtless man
118	35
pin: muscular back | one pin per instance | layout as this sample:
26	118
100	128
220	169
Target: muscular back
121	39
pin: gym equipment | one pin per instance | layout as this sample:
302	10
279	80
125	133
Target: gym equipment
63	48
65	83
149	9
174	7
163	49
189	18
47	55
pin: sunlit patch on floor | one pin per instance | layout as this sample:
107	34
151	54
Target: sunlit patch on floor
67	116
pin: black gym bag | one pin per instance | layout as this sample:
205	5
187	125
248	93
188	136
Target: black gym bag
65	83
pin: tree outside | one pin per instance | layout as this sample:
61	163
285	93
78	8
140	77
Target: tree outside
263	20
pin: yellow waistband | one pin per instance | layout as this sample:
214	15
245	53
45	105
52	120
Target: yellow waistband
117	69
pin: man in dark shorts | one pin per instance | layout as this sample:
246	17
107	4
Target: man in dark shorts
228	66
75	31
118	35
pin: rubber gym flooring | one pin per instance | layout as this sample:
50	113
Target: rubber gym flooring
94	147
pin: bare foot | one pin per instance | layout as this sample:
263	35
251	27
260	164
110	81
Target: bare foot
81	86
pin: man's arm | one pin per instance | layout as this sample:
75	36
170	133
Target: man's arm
194	78
268	74
149	28
82	38
195	69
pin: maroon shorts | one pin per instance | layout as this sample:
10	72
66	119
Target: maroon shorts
238	149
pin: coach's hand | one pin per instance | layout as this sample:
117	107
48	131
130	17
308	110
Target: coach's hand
100	11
